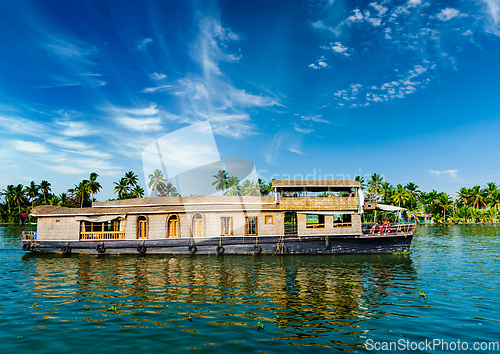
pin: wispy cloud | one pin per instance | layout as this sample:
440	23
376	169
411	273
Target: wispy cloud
142	45
453	174
29	146
316	118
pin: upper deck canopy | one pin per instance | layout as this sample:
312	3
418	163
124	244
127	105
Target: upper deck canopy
315	186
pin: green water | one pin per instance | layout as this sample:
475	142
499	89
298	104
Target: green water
55	303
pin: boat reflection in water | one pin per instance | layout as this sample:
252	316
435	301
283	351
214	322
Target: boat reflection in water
304	300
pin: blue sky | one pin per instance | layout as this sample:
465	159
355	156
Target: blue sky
407	89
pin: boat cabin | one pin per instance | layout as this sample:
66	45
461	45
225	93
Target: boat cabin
298	207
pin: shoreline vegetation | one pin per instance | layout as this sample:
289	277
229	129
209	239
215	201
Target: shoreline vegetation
476	205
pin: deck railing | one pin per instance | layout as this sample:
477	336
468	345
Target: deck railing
102	235
395	228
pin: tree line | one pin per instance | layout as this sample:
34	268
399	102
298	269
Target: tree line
471	205
19	199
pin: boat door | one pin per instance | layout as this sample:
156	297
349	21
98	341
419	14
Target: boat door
290	223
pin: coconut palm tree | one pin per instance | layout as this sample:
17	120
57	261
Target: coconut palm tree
45	188
93	186
445	202
82	191
462	195
32	192
63	200
374	185
220	181
361	181
477	197
137	192
18	196
169	190
400	195
132	179
156	182
234	188
413	190
121	188
8	193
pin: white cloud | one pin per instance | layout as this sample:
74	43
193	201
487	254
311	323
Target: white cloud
156	89
448	14
139	124
453	174
302	130
493	16
157	76
29	146
337	47
316	118
320	63
143	44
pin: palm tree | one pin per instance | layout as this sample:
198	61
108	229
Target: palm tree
32	191
156	182
220	181
45	188
137	192
361	181
400	195
169	190
477	197
412	189
93	186
445	202
462	195
82	191
18	196
121	187
63	200
8	193
234	189
250	188
131	178
374	185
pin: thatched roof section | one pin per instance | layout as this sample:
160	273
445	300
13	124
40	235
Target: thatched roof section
163	205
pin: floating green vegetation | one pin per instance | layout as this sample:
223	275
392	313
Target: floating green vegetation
422	294
112	309
401	253
190	319
260	325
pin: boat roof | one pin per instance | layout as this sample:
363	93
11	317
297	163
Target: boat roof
163	205
318	185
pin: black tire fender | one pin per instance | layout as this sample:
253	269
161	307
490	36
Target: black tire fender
100	248
192	249
141	249
257	249
220	250
66	249
26	246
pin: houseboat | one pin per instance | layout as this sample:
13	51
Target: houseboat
303	217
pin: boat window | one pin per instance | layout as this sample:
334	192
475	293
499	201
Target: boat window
315	221
226	226
198	226
269	219
342	220
251	225
173	226
142	227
